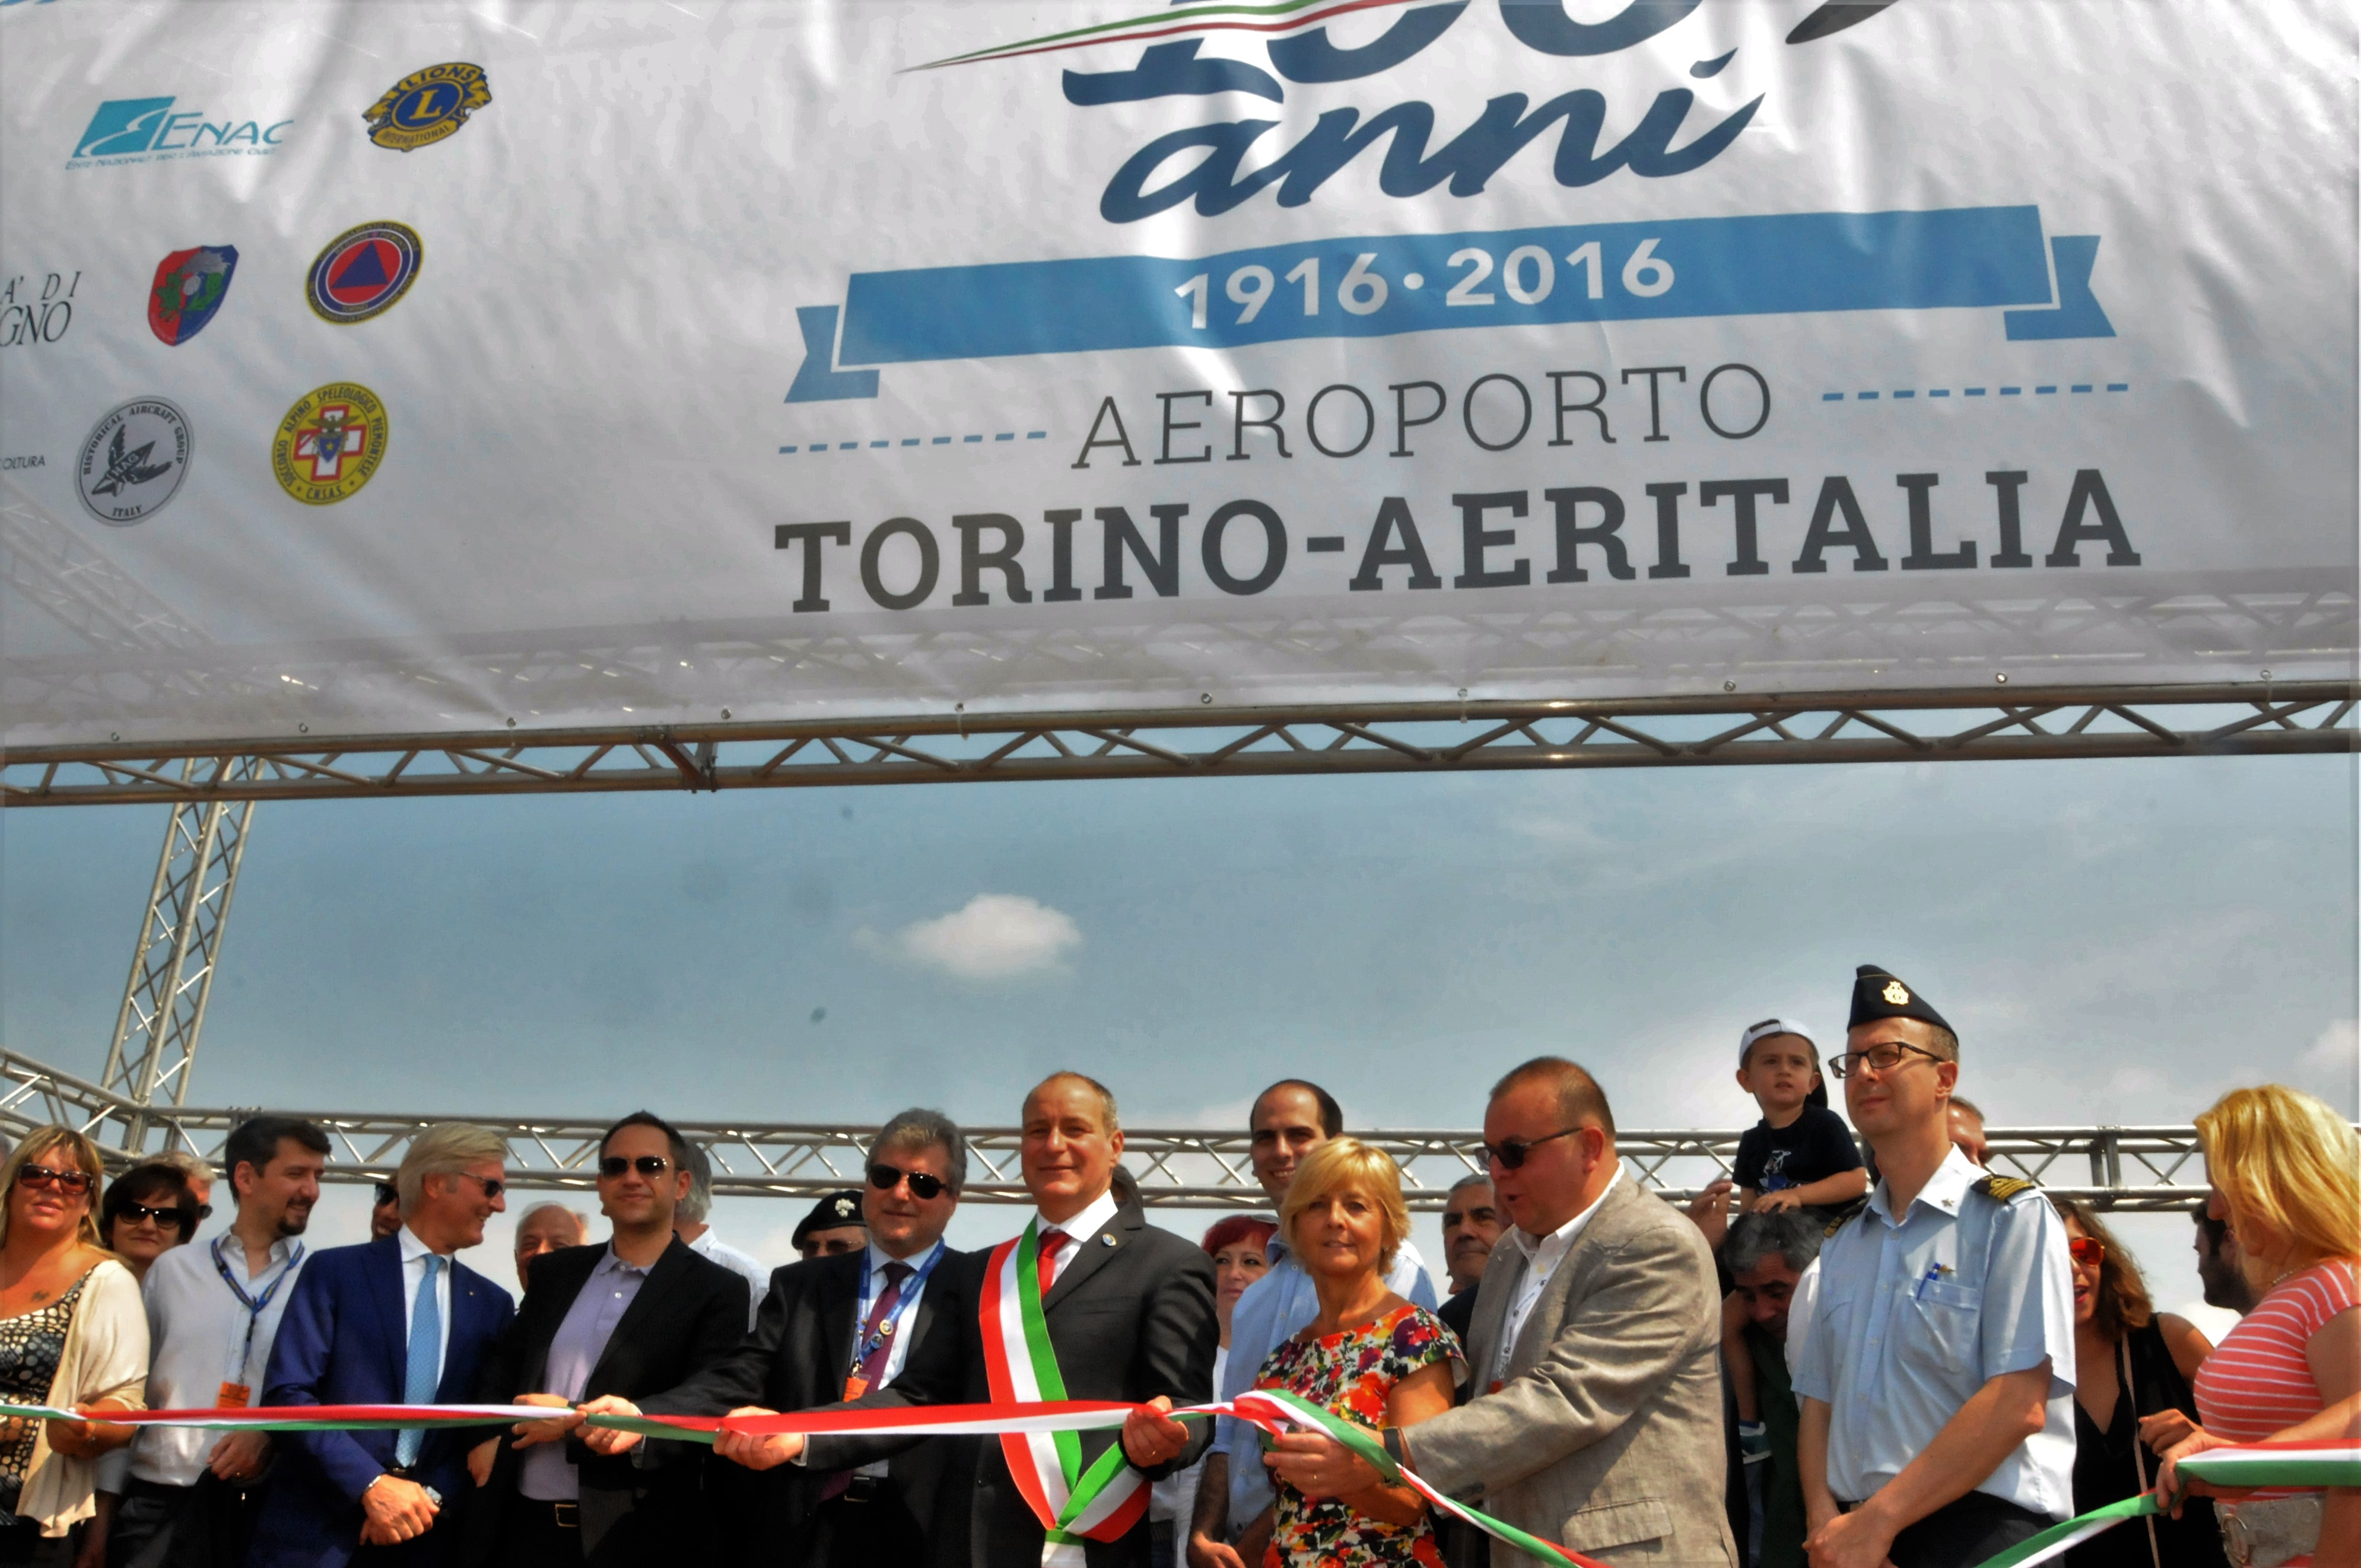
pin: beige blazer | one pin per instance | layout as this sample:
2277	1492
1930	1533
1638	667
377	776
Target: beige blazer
105	1357
1605	1436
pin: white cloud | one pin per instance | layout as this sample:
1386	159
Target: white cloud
995	936
2333	1064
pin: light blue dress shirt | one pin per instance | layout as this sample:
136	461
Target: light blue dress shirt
1914	1317
547	1475
1275	1308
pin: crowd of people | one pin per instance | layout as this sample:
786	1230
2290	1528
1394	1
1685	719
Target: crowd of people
1864	1349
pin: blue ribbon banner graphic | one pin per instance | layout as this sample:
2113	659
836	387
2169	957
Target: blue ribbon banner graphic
1951	258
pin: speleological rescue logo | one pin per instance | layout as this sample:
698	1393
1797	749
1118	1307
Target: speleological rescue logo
188	288
330	442
134	462
364	272
427	105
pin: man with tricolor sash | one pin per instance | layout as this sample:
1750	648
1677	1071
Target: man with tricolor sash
1091	1303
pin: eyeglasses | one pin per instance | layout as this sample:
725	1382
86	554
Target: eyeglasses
2088	1251
647	1165
1884	1058
72	1183
492	1190
885	1178
1509	1153
386	1192
166	1218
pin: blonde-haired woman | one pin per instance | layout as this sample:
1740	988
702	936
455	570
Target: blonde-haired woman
1371	1357
2286	1173
72	1332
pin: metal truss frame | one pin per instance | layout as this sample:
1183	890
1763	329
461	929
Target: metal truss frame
1947	725
154	1046
2129	1169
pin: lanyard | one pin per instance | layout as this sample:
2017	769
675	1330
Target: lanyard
863	1349
255	1306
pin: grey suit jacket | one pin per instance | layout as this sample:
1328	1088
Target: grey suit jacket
1605	1436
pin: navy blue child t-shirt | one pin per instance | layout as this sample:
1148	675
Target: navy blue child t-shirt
1813	1147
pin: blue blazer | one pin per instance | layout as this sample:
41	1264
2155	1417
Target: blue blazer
343	1343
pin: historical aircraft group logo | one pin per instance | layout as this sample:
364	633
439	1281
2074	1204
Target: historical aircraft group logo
427	105
364	272
188	288
134	461
330	442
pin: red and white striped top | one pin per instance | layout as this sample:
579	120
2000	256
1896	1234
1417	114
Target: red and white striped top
2257	1382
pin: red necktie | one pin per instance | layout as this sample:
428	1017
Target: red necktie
1050	1242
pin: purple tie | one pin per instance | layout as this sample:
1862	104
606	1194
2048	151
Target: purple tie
877	1349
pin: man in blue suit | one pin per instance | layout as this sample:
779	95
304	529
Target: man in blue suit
396	1322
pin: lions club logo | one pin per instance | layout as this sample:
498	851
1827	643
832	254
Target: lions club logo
1895	995
134	461
188	288
364	272
427	105
329	444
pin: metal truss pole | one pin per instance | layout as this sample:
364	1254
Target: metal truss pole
2137	1169
154	1047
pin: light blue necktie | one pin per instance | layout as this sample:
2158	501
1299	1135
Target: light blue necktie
424	1375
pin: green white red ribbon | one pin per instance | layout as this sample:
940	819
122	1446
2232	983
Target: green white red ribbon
2246	1467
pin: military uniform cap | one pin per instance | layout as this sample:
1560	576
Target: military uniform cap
836	1210
1877	993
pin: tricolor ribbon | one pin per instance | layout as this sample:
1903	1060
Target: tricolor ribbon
2245	1467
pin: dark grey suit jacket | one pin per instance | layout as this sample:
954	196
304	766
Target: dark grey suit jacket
1131	1317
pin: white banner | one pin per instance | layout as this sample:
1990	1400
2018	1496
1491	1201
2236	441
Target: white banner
380	368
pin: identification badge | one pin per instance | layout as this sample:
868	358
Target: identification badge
233	1397
855	1386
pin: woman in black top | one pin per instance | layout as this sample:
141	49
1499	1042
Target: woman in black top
2130	1361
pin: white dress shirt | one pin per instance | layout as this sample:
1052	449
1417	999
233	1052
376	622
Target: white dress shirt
713	1249
414	1254
905	1316
1542	1258
197	1332
1080	1230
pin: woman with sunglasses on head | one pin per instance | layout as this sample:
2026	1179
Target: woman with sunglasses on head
72	1332
147	1212
2131	1363
2286	1172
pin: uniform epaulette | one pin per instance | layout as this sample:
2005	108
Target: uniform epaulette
2001	1188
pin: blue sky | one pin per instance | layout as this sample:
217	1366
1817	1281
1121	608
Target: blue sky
2118	941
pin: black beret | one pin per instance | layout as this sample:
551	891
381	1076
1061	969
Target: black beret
836	1210
1876	993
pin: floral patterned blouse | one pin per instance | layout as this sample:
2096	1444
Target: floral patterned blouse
1352	1372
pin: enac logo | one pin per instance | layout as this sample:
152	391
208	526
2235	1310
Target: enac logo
143	127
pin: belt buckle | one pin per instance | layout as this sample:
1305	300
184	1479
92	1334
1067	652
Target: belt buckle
568	1516
862	1489
2235	1544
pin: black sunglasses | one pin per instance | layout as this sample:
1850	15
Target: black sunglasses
885	1178
491	1189
386	1192
1509	1153
166	1218
647	1165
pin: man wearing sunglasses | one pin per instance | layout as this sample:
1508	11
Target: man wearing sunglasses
1593	1354
639	1314
397	1320
1936	1374
832	1328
